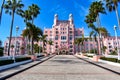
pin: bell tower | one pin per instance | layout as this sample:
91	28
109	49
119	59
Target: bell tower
71	18
55	19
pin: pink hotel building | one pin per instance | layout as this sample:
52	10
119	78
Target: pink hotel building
63	34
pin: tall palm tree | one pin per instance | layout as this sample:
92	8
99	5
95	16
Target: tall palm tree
95	9
79	42
112	5
33	32
44	41
34	10
27	36
96	31
12	7
26	15
1	10
50	43
0	43
29	16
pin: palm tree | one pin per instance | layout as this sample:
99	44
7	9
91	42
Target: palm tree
29	16
12	7
34	10
112	5
22	49
95	9
0	43
32	32
36	48
96	31
79	42
104	49
43	39
50	43
1	10
26	15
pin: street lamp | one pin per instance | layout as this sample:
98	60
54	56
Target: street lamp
115	27
17	28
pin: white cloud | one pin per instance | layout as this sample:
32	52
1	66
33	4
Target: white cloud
81	9
59	9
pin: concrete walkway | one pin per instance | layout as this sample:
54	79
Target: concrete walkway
66	67
21	67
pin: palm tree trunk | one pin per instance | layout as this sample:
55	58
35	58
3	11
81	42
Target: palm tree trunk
11	28
50	49
32	44
43	47
117	15
99	35
80	48
1	10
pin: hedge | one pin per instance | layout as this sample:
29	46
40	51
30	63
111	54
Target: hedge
5	62
110	59
89	56
22	59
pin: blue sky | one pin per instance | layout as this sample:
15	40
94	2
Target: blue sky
79	9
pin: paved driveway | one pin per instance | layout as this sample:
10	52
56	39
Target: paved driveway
65	67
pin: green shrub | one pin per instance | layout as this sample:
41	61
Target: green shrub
109	59
1	51
22	59
113	53
5	62
118	61
89	56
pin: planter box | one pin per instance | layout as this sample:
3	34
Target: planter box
82	55
33	57
96	57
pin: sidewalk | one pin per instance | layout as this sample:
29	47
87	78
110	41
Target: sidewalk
20	68
102	64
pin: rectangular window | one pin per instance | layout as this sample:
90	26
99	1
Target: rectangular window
56	37
45	31
70	37
63	37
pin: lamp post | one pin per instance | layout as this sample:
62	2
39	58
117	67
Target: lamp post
115	27
17	28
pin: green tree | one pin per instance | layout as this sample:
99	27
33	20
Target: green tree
95	9
96	31
50	43
12	7
29	16
112	5
26	15
36	48
22	49
104	49
33	32
1	51
44	41
79	42
0	43
1	10
34	10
